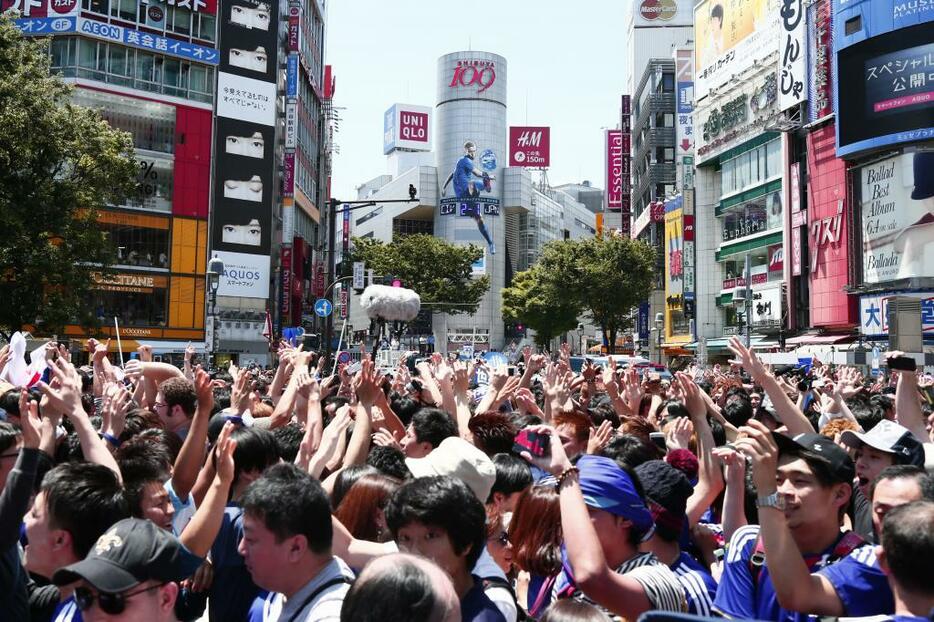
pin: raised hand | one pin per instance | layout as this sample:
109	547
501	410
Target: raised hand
145	353
224	454
599	437
366	384
679	434
384	439
691	393
29	420
240	393
204	390
748	360
67	397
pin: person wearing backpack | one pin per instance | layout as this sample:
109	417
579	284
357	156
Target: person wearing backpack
286	545
797	564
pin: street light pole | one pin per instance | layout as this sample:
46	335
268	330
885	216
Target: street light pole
214	272
331	250
748	304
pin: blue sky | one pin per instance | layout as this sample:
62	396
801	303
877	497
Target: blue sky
566	70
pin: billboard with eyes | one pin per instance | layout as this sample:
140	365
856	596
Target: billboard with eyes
244	138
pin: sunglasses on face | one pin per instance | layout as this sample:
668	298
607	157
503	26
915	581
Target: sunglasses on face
112	604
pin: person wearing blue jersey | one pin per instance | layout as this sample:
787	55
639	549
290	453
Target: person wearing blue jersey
466	177
667	491
796	564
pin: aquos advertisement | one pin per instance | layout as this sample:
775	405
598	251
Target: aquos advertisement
897	217
244	146
730	36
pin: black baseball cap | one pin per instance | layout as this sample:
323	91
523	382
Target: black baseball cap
841	465
129	553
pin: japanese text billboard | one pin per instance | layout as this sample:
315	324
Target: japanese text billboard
529	146
890	94
792	54
897	217
731	36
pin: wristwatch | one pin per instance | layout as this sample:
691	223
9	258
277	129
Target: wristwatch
771	501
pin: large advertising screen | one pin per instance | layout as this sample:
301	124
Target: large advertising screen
244	143
731	36
889	97
897	203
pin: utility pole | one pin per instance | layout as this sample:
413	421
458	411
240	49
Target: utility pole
334	208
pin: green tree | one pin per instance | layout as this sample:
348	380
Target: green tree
607	277
536	301
59	164
440	272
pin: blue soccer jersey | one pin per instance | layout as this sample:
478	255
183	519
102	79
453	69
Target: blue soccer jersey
463	173
857	579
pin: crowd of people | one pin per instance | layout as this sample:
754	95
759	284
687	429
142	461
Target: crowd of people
148	492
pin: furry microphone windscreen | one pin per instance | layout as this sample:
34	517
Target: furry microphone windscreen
393	304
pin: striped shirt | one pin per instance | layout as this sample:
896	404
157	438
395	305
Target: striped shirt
661	586
699	587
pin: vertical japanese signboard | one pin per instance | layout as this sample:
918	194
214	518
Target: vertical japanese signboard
792	55
245	108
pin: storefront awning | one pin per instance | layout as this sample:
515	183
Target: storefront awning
818	339
757	343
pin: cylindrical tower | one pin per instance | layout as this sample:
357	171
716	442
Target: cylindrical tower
471	109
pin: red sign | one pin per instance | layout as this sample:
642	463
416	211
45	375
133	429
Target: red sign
613	151
40	8
688	227
285	293
413	126
776	258
288	175
345	302
529	146
658	211
478	73
795	187
796	251
757	279
318	288
295	28
821	103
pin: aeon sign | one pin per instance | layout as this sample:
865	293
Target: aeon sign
474	73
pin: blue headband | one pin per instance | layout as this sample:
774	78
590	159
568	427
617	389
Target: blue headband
607	487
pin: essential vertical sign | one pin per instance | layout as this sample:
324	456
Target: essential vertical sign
244	141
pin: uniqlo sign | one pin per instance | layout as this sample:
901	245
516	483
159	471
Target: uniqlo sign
413	126
529	146
614	153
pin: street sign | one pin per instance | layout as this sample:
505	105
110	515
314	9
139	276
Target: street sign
343	357
359	269
323	307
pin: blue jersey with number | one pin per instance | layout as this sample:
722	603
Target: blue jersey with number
463	173
857	579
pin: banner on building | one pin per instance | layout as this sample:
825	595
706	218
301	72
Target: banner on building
529	146
792	54
407	128
244	147
731	37
820	52
613	160
246	276
898	230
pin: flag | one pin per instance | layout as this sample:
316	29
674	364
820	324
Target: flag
19	373
267	328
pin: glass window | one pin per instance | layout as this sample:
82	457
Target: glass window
773	158
668	83
144	67
124	9
171	77
137	246
146	308
151	124
207	27
154	189
179	20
